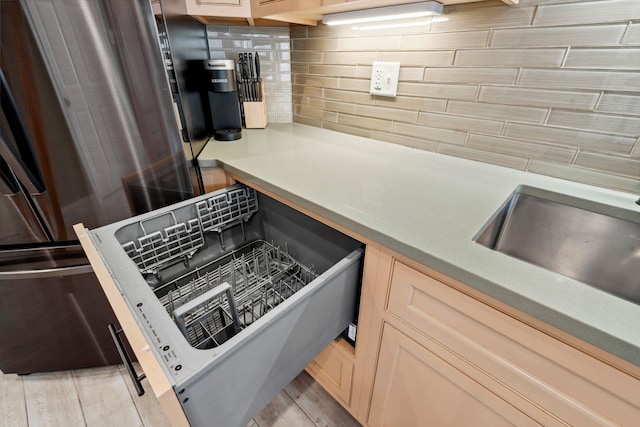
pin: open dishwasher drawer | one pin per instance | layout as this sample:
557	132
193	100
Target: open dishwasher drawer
227	296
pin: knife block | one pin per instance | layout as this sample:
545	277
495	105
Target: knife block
255	112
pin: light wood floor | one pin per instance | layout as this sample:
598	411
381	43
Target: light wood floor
105	397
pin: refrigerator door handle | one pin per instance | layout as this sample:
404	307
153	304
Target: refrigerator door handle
21	160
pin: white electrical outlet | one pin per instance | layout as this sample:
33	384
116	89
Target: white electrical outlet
384	78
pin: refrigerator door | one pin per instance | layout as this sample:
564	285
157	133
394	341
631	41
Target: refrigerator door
87	134
53	312
87	82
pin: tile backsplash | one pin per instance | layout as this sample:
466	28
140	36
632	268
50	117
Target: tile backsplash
273	47
549	86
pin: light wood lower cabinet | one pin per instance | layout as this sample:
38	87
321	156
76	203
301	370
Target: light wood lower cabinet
333	370
414	386
442	350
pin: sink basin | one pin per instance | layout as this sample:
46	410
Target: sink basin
591	242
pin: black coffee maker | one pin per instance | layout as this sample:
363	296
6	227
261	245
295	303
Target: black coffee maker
223	99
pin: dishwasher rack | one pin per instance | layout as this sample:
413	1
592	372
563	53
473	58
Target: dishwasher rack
156	249
215	301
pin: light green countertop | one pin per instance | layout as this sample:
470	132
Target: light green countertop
429	207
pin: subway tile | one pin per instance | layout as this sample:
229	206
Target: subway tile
355	84
352	130
278	107
619	165
570	137
461	123
586	176
497	111
618	103
604	58
283	118
522	149
315	44
412	103
632	36
350	58
327	31
298	31
299	68
281	67
483	156
304	90
259	31
510	57
317	113
502	16
278	98
364	122
343	95
589	35
411	74
306	56
312	80
333	70
431	133
538	97
370	43
434	90
471	75
587	12
258	44
596	122
424	58
304	120
461	40
340	107
578	79
385	113
363	72
299	100
407	141
278	78
304	111
281	88
276	55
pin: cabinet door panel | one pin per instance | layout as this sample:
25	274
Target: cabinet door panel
557	381
333	369
413	386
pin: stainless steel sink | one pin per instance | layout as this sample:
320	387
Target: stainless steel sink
594	243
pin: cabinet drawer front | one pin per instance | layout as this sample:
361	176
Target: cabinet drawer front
333	369
414	387
558	379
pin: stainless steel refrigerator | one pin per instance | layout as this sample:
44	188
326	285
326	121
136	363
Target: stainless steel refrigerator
87	134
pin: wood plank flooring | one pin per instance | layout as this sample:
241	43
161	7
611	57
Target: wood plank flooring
105	397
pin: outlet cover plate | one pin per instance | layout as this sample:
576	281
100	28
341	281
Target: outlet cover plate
384	78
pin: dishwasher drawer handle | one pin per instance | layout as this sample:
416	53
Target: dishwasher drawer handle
115	334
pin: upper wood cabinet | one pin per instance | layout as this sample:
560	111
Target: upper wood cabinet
206	9
310	11
259	12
